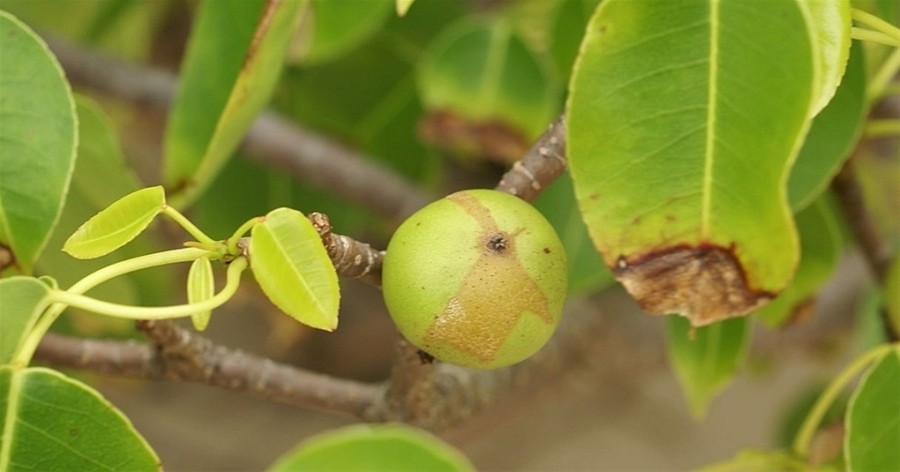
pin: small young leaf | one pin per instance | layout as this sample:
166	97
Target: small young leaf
22	300
386	447
117	224
873	418
293	269
39	137
201	286
52	422
820	246
705	359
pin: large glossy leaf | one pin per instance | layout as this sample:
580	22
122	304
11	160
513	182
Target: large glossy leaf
116	224
483	71
820	244
829	22
873	418
293	269
38	138
233	60
832	135
386	447
705	359
333	28
52	422
22	300
683	119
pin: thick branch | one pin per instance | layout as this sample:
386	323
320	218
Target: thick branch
186	356
875	249
271	140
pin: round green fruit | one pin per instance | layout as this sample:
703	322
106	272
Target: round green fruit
476	279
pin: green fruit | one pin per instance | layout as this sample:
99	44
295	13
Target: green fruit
477	279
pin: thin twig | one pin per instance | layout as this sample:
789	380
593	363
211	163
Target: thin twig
541	165
272	140
351	258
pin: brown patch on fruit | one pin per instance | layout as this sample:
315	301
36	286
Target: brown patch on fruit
704	283
492	297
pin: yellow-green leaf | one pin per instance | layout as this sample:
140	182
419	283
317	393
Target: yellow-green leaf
829	22
201	286
117	224
294	270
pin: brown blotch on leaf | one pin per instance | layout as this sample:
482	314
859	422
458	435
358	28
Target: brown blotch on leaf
493	141
704	283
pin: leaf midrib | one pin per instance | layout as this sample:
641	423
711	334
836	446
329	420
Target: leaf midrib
705	210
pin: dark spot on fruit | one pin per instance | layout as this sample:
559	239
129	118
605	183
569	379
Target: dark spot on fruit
546	250
705	283
498	242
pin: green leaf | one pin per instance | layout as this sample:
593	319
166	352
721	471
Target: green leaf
832	136
873	418
750	460
587	273
52	422
334	28
293	269
117	224
37	145
201	287
683	120
22	299
226	80
821	245
483	71
829	22
705	359
384	447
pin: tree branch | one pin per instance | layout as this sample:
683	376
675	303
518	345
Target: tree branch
271	140
186	356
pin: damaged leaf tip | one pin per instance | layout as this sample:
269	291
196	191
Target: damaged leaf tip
703	283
